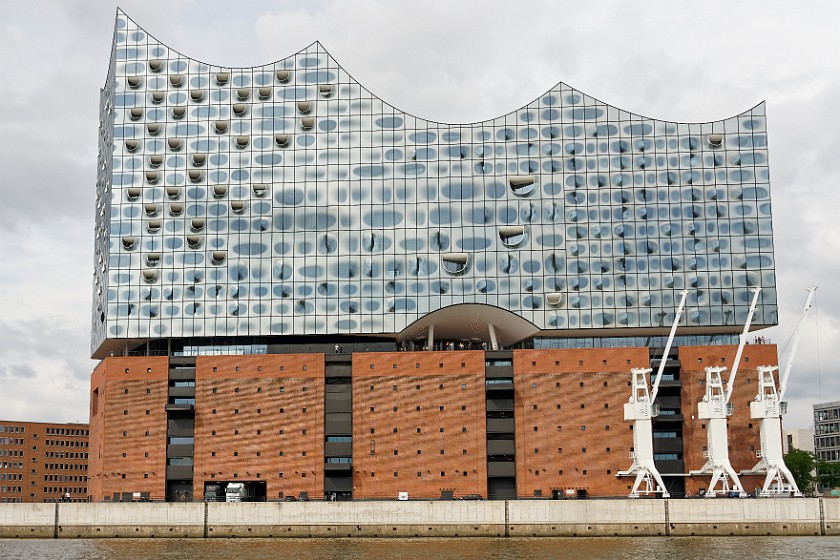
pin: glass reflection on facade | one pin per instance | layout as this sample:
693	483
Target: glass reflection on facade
286	199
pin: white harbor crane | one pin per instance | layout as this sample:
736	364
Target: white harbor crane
769	408
715	407
641	411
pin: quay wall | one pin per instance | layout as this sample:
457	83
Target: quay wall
622	517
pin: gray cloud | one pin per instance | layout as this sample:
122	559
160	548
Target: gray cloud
446	61
23	371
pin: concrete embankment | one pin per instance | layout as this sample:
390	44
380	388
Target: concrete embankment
805	516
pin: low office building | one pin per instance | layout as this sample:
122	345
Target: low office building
43	462
827	431
799	438
300	286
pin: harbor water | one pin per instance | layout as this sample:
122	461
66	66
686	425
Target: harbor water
580	548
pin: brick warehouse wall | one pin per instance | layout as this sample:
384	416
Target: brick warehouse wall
261	418
743	431
419	424
569	419
128	427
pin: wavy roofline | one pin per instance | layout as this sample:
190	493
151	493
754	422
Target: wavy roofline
559	85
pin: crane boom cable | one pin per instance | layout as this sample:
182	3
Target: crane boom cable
797	332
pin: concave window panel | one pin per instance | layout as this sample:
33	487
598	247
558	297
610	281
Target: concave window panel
455	263
512	236
522	185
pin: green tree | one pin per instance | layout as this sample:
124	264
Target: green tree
828	474
801	465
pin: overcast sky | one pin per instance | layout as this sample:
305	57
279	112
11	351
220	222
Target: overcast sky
451	61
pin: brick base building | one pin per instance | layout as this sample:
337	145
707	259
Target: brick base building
503	424
43	462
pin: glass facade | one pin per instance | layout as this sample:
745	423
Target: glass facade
286	199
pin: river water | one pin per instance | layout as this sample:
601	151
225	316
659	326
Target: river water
578	548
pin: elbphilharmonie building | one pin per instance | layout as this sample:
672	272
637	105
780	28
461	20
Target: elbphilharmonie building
285	210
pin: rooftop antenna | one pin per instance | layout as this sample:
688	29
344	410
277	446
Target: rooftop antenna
641	411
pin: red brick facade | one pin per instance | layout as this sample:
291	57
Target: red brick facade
418	424
419	421
570	428
42	462
743	431
261	418
128	427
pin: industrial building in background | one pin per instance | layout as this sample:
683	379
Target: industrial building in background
827	432
42	462
310	294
